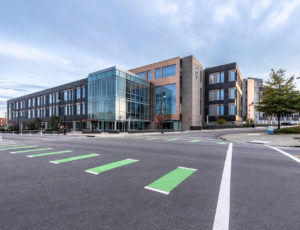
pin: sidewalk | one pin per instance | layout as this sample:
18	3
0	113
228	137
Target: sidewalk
287	140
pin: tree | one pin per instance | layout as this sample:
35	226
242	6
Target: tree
279	96
54	122
38	122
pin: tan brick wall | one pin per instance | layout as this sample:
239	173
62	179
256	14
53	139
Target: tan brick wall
163	81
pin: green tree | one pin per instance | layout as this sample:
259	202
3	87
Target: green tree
54	122
279	96
38	122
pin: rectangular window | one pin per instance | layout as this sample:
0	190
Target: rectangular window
29	102
65	95
83	92
220	110
50	112
78	109
33	102
142	75
211	110
231	93
149	75
158	100
231	109
78	93
56	111
231	75
50	98
169	71
66	110
222	77
211	95
221	94
158	73
83	108
169	99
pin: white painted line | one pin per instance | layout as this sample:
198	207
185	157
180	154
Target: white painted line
95	154
221	221
285	153
131	159
53	162
91	172
187	168
156	190
29	156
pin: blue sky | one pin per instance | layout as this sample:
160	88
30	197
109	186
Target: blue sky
44	43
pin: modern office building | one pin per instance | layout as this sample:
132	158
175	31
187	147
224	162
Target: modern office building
118	100
177	94
68	101
174	94
223	94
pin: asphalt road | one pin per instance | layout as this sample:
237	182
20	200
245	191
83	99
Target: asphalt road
251	187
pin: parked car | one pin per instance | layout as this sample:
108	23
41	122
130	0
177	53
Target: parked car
286	123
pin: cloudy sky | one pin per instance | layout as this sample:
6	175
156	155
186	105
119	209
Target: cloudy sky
44	43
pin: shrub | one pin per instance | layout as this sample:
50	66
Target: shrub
221	122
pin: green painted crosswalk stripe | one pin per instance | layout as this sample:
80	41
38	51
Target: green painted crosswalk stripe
30	150
74	158
20	147
110	166
48	154
194	141
222	143
171	180
152	138
172	139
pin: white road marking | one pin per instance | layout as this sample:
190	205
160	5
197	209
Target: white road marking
91	172
156	190
285	153
221	221
187	168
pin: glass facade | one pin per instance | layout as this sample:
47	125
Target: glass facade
149	75
142	75
165	98
158	73
116	95
169	71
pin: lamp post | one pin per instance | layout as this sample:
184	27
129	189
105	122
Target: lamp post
162	114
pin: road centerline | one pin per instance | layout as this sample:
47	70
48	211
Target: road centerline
221	221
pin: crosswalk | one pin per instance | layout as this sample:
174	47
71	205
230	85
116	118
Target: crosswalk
164	185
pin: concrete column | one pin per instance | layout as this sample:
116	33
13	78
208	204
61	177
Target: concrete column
115	125
74	125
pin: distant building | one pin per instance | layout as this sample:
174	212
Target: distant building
252	89
3	122
223	94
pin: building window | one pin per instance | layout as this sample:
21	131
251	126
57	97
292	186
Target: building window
158	73
29	102
78	93
142	75
222	77
78	109
231	93
217	94
220	110
83	108
66	110
83	92
33	101
158	100
211	110
50	112
169	71
50	98
169	99
165	96
231	75
149	75
65	95
231	109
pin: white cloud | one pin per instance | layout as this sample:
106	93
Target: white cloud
281	14
27	52
259	7
166	7
227	10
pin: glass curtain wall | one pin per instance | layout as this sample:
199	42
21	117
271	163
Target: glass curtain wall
117	98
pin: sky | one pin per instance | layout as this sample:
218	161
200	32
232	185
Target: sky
45	43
